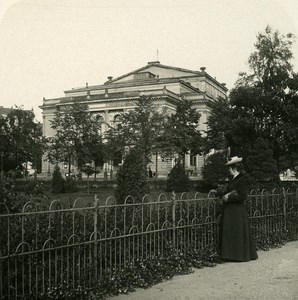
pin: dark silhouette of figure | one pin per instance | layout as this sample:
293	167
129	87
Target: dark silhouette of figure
236	240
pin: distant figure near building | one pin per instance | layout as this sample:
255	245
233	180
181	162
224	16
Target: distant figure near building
150	173
236	240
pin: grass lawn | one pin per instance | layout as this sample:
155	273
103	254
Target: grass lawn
103	194
69	198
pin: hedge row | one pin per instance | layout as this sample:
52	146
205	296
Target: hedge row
155	184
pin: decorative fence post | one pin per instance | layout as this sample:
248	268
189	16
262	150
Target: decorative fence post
95	216
284	197
174	218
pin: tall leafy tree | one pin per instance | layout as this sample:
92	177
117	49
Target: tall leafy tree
77	138
139	128
263	102
219	122
22	139
260	101
182	134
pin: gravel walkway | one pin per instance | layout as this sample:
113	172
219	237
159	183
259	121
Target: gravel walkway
273	276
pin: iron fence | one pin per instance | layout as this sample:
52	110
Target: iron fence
79	246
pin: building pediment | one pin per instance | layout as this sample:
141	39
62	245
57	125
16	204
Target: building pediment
154	70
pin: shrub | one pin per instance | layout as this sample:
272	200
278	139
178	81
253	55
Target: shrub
131	177
260	163
214	170
70	185
57	181
34	188
178	181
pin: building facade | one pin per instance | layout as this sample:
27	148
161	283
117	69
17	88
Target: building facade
167	85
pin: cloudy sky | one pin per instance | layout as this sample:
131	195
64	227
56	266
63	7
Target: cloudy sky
48	46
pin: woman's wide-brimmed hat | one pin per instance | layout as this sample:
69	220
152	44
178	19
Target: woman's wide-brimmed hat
233	160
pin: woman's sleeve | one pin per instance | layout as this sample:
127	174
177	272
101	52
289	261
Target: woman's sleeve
221	190
240	193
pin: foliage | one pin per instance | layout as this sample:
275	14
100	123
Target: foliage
70	185
178	181
139	128
148	272
20	140
218	125
57	181
77	136
131	177
260	163
9	198
181	134
153	130
214	169
34	188
270	62
263	103
88	170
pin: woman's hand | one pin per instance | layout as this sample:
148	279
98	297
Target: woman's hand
225	197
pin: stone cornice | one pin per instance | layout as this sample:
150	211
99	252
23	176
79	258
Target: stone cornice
168	95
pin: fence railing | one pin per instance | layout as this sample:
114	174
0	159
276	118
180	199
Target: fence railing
79	246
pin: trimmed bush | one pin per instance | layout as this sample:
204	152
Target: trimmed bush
70	185
57	181
178	181
131	177
214	171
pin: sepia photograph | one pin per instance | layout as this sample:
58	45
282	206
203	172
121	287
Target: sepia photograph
149	149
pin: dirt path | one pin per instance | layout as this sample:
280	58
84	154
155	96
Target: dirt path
273	276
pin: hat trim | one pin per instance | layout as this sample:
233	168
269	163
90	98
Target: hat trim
233	160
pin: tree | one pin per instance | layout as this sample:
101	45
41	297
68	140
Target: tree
4	146
214	169
57	181
77	136
22	139
263	103
178	181
218	125
270	62
139	128
260	100
131	177
260	162
182	135
114	146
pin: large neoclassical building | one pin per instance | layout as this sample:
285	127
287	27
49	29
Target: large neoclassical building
167	85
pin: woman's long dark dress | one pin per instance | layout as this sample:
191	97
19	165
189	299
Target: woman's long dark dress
237	243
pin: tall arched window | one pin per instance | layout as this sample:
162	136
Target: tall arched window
100	121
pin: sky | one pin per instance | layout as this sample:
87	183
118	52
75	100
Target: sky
49	46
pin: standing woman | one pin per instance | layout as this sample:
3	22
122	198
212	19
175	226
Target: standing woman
237	243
